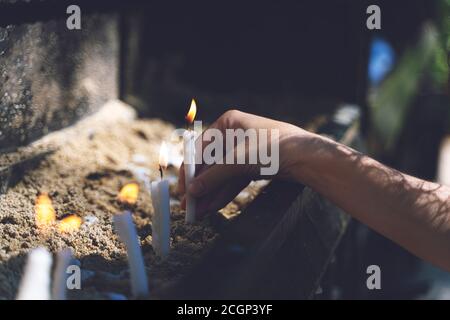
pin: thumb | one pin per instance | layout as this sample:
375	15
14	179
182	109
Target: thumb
214	177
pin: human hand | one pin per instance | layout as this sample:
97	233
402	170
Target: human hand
215	185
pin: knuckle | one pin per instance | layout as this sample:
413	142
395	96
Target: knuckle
232	113
230	118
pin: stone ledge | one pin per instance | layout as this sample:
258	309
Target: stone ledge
111	113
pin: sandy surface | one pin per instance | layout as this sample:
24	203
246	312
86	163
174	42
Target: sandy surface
83	176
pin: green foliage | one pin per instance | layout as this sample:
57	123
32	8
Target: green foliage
440	67
444	9
390	103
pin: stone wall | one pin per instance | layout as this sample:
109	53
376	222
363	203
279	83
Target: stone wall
51	76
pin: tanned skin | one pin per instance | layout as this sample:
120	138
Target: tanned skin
412	212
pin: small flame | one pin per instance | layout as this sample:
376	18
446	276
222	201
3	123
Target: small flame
163	156
70	224
129	193
45	213
192	112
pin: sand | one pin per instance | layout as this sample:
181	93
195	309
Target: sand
83	174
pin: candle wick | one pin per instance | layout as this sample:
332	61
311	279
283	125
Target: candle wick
161	171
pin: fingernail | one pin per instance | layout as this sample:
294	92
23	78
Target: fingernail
196	188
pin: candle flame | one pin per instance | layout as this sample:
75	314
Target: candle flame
163	156
45	213
190	116
129	193
70	224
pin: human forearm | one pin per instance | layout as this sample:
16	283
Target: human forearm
410	211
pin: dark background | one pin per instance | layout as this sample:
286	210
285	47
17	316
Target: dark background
285	59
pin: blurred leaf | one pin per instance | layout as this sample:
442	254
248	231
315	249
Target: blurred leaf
391	101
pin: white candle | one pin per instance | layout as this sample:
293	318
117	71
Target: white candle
126	230
189	173
35	284
59	287
161	217
189	163
161	205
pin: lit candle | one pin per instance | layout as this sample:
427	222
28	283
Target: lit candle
161	205
189	162
126	230
59	287
35	284
45	213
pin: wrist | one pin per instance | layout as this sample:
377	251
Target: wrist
311	154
